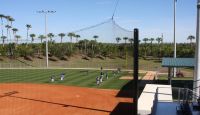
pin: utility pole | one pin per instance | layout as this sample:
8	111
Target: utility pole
174	72
197	53
45	17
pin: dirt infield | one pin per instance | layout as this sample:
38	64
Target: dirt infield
43	99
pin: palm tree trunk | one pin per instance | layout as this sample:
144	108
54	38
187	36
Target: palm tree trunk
27	37
31	40
71	43
7	34
61	40
151	49
1	26
3	41
85	48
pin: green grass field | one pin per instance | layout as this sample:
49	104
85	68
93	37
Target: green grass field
72	77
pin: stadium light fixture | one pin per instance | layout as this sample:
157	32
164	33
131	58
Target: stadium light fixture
45	16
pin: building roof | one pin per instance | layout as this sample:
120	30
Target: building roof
178	62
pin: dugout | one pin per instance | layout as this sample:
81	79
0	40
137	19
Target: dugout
171	63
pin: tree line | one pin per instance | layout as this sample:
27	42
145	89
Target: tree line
154	47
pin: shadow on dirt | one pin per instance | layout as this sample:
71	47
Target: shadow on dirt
123	108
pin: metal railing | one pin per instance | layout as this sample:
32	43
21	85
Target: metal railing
182	96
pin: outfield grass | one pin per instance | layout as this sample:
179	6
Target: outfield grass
78	62
72	77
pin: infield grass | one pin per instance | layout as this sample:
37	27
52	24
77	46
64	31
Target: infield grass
72	77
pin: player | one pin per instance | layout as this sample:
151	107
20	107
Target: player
97	80
114	73
62	76
52	78
106	75
101	77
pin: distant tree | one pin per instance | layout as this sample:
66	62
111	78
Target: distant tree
41	37
71	35
2	16
50	35
191	37
61	36
95	37
145	46
8	29
125	39
17	38
151	40
118	39
14	32
11	20
159	40
131	40
28	26
3	39
77	36
32	37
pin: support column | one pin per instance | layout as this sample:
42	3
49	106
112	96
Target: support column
197	52
169	76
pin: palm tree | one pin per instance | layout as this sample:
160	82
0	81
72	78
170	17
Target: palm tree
41	37
3	39
28	26
95	37
32	37
159	40
50	35
11	20
191	37
17	37
14	32
8	28
145	46
118	39
125	38
77	36
131	40
8	18
151	40
61	36
2	16
71	35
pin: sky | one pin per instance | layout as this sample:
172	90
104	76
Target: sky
151	17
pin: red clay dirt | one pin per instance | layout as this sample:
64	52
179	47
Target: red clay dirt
44	99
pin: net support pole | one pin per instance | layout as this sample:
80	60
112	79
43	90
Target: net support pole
135	71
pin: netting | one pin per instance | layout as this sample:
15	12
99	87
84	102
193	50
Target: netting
104	44
107	32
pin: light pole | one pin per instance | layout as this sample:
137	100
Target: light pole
45	16
196	85
174	72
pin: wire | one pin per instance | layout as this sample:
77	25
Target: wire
117	2
90	27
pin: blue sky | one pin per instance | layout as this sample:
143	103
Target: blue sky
152	17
